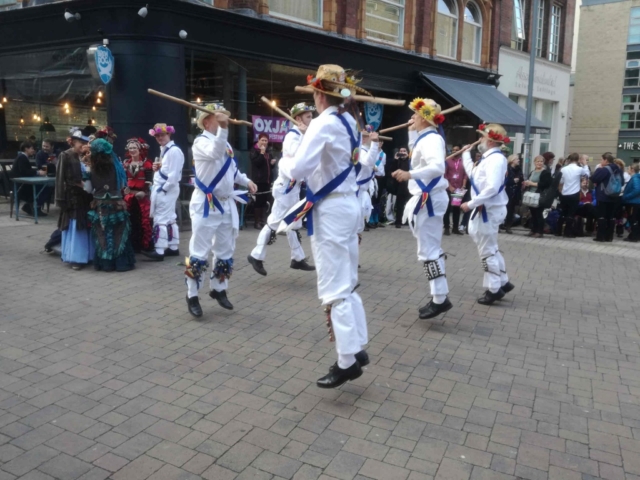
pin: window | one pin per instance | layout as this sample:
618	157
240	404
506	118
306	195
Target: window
517	26
632	73
384	20
544	111
634	27
305	11
472	34
447	29
540	38
554	33
514	98
630	115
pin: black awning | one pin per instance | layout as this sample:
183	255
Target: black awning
485	102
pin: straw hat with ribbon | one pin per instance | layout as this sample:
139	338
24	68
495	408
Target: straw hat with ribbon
213	108
494	132
335	81
300	108
428	109
160	128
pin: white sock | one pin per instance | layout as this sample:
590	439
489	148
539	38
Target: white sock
160	251
438	299
345	361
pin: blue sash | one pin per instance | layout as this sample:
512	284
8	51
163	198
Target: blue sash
208	191
292	183
162	175
426	189
312	198
480	208
379	159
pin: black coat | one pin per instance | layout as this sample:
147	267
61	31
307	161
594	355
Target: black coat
513	188
22	168
262	170
393	186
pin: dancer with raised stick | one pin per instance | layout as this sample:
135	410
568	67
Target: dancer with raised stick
213	210
428	204
286	193
489	205
327	157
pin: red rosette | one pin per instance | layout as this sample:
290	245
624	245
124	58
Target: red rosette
419	105
506	140
438	119
482	127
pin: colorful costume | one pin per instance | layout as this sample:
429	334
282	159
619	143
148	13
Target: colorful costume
137	196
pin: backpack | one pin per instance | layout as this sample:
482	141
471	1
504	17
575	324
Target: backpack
613	187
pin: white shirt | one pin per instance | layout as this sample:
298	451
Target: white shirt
488	177
324	153
172	162
290	145
208	158
380	167
427	160
368	158
571	176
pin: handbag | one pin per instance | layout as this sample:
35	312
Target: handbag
531	199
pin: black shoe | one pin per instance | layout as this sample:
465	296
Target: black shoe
48	249
257	265
193	304
153	256
171	253
398	226
507	287
222	299
302	265
337	376
431	309
362	357
366	227
373	225
447	232
488	298
508	230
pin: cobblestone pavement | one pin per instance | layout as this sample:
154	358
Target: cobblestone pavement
107	376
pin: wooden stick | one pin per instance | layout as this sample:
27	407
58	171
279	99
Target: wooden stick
196	107
281	112
457	154
361	98
405	125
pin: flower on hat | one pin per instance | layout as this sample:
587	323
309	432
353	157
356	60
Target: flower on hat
493	135
427	111
438	119
314	82
160	128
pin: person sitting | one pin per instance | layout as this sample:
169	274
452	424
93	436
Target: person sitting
22	168
586	209
631	198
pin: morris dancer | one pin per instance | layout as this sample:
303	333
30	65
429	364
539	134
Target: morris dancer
428	204
369	152
379	181
326	158
164	194
214	214
286	193
489	202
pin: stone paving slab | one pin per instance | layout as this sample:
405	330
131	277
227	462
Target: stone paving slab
105	375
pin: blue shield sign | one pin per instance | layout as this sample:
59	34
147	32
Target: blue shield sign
105	63
373	114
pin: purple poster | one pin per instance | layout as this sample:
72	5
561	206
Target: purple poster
275	127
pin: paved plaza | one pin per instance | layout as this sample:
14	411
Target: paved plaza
106	375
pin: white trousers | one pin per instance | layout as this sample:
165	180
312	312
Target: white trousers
281	205
164	217
335	251
485	236
390	208
212	234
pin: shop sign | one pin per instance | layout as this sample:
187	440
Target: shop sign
630	146
275	127
373	114
101	63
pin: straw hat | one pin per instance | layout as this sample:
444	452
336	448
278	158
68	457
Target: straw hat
428	109
77	135
335	81
494	132
160	128
300	108
213	108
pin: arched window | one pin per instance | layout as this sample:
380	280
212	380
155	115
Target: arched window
472	34
447	28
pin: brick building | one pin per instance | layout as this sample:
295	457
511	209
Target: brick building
238	50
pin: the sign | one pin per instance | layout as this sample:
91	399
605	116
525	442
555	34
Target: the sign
275	127
373	114
101	63
631	146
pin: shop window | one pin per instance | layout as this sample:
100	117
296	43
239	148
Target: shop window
304	11
630	115
472	34
632	73
447	29
554	33
633	36
544	112
384	20
540	39
517	26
